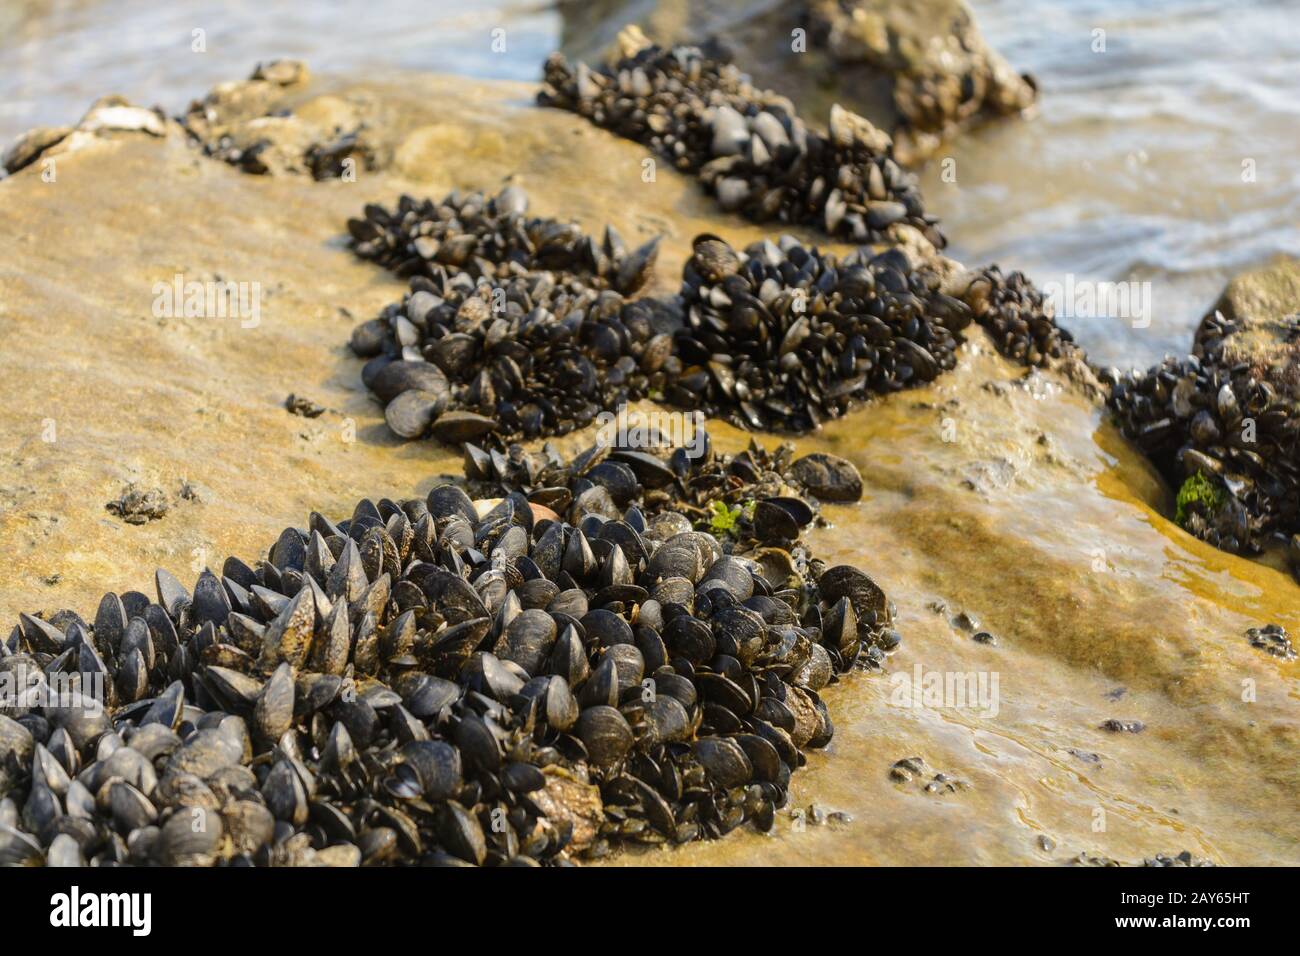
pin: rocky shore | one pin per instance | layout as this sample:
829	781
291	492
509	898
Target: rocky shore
1014	530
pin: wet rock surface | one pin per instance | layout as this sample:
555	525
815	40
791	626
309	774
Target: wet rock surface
1067	557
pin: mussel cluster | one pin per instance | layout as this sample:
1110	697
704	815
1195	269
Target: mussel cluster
568	667
513	326
462	359
495	238
782	336
747	146
1017	317
1228	424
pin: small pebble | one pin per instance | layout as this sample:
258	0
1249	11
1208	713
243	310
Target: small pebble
301	405
1272	639
1123	726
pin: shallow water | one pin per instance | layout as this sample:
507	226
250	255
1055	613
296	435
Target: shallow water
58	57
1131	171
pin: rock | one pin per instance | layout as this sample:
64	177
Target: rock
1262	307
1223	425
114	114
28	147
828	477
282	72
918	71
566	801
1155	612
266	125
944	74
109	114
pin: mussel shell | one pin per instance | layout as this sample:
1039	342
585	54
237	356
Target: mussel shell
438	766
605	734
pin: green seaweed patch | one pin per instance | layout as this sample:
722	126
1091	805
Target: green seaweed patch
1198	490
724	519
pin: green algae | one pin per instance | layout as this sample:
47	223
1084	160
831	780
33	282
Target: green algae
1197	490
